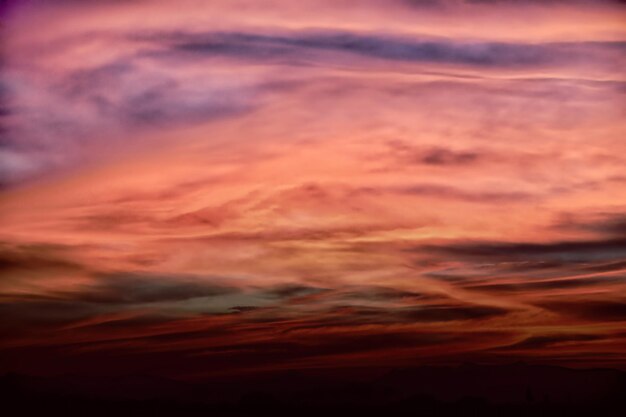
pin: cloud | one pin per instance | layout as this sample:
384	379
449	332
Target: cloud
540	342
131	288
306	46
330	196
379	293
343	315
35	258
452	4
442	156
593	310
108	293
567	251
78	115
608	224
403	152
543	2
452	313
457	193
27	266
151	97
24	315
606	267
553	284
244	200
292	290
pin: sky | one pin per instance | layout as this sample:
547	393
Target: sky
200	188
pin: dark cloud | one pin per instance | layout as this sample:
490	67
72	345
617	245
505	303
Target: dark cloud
107	293
346	313
606	267
540	342
23	315
130	288
426	3
568	251
152	97
526	266
305	46
594	310
454	193
452	4
554	284
609	224
405	153
426	313
544	2
279	339
139	322
379	293
442	156
243	309
451	313
18	260
292	290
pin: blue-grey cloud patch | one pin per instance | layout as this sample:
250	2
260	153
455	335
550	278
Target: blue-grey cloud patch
152	98
173	295
46	126
128	288
305	46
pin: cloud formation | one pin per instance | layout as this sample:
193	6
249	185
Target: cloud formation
304	46
245	187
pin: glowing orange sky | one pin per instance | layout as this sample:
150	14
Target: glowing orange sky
233	185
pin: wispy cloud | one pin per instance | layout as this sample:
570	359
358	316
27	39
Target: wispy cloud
242	186
306	47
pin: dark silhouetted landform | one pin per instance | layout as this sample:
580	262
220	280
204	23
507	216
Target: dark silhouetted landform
466	390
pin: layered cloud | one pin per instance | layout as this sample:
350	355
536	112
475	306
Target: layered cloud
238	188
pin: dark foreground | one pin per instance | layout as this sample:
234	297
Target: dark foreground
468	390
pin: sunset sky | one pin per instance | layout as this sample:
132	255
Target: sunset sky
195	188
